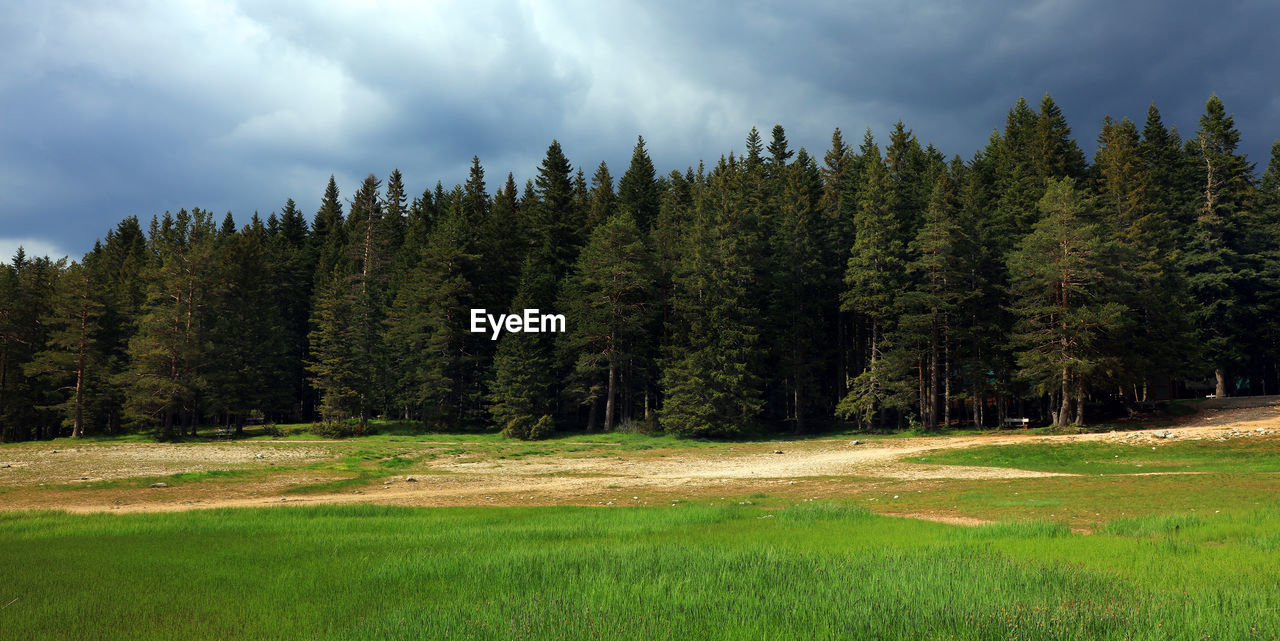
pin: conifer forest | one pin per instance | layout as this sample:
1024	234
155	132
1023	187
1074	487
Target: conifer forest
878	284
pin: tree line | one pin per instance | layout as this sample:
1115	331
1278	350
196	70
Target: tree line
773	291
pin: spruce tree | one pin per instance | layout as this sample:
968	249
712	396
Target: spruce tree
427	328
245	332
610	299
797	274
167	356
638	189
932	305
872	281
71	355
1059	278
328	236
711	374
1151	286
1221	277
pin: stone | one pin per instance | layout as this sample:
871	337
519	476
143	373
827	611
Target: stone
777	451
855	442
410	479
259	455
6	465
159	485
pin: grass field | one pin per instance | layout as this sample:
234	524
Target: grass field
815	571
648	537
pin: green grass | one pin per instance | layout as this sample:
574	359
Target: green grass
1251	455
817	571
182	478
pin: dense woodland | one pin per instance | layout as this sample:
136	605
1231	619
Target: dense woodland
880	286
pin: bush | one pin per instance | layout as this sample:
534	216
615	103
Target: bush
527	429
333	429
541	429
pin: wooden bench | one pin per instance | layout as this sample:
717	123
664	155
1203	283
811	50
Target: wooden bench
1017	421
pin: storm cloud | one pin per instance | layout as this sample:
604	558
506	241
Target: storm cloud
134	108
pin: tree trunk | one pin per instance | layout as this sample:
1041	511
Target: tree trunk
946	384
1221	390
591	413
933	386
1080	404
1064	413
77	428
4	359
798	427
842	369
921	393
608	406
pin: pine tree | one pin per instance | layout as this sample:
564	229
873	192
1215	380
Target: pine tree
246	331
26	294
291	266
71	355
1058	278
797	273
872	278
1056	154
779	154
338	371
328	236
167	355
523	389
638	190
350	362
522	395
938	293
603	200
1146	242
427	328
711	376
502	246
609	299
1220	275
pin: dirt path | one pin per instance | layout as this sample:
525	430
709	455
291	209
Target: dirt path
268	470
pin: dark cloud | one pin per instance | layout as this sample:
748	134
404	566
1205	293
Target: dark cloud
136	107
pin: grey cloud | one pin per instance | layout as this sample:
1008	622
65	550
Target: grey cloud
134	108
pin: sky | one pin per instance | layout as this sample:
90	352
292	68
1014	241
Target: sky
111	109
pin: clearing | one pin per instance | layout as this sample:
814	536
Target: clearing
964	479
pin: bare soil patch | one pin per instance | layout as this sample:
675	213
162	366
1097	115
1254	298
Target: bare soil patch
37	477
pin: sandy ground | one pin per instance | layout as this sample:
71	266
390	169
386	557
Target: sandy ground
36	476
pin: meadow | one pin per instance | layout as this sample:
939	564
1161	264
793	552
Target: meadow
810	571
1136	538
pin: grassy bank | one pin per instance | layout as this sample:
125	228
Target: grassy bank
682	572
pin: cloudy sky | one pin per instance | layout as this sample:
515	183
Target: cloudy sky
109	109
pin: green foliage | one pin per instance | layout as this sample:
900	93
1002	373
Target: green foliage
529	429
609	297
711	380
1059	277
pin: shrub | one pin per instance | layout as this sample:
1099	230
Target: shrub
333	429
527	429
